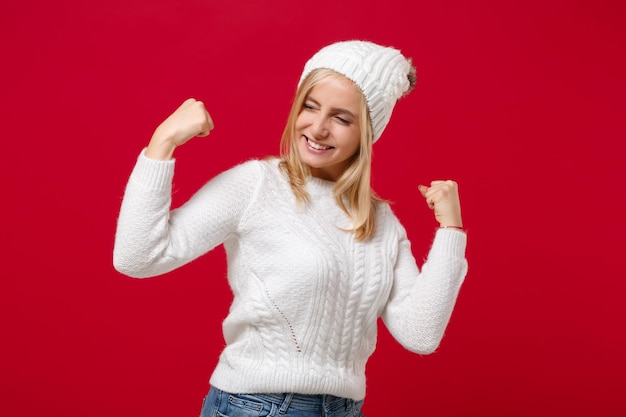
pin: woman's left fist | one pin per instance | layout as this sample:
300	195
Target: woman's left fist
443	198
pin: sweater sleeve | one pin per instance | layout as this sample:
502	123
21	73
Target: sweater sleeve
152	239
421	303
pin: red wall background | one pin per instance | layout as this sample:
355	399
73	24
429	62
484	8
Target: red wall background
523	103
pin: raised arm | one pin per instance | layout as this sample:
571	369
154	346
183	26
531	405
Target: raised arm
151	238
421	302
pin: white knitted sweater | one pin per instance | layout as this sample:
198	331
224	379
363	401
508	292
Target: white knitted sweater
307	295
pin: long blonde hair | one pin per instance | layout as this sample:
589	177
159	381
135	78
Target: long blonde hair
353	186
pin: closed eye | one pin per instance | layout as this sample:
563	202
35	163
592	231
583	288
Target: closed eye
308	106
343	120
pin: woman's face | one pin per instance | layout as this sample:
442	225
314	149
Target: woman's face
327	128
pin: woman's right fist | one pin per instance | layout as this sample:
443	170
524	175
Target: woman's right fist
188	121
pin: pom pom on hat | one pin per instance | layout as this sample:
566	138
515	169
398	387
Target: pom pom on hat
382	74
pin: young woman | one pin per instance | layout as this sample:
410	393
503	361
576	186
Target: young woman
314	257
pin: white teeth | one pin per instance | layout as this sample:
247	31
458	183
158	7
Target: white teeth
317	145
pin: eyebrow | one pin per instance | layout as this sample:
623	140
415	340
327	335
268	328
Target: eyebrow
333	109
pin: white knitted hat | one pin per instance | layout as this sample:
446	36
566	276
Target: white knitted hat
379	71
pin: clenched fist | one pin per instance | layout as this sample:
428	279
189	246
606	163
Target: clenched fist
188	121
443	198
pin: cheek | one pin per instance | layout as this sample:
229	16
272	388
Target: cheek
301	121
354	142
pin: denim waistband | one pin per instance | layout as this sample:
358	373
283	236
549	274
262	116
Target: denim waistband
306	401
292	401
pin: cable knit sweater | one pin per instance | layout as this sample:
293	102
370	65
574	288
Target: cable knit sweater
307	295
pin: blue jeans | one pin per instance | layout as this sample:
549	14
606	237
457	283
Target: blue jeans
223	404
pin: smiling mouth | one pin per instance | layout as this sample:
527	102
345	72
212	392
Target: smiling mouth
317	146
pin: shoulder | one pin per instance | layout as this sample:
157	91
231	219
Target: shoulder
249	166
384	212
251	171
254	174
257	166
243	178
272	171
271	165
387	222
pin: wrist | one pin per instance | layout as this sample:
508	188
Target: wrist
160	150
455	227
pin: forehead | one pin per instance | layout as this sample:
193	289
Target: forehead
336	91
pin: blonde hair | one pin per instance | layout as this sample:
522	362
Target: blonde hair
353	186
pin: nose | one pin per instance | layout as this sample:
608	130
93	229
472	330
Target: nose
319	126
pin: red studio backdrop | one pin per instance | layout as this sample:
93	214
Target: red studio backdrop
523	103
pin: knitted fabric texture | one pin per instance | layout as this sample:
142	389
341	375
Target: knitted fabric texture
306	294
379	71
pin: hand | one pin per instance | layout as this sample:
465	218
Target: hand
443	198
188	121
